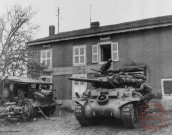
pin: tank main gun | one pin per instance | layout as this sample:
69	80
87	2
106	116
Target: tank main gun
108	83
86	80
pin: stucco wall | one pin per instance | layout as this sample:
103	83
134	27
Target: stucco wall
62	54
150	47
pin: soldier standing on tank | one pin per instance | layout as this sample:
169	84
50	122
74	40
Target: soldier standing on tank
105	66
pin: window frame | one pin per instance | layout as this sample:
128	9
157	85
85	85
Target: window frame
99	51
46	58
79	55
162	88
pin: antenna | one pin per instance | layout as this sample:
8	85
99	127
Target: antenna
58	14
90	13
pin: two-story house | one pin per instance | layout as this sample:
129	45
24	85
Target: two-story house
75	53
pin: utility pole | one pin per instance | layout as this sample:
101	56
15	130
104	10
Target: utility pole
58	14
90	13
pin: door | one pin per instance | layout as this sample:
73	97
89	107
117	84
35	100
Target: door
78	86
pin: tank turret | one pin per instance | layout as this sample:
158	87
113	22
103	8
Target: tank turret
115	78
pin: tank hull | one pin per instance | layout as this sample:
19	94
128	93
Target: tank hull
94	109
120	103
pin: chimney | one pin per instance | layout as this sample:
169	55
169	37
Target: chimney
51	30
94	24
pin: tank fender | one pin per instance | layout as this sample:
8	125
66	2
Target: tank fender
81	103
122	103
88	111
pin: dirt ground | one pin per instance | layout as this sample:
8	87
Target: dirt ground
65	123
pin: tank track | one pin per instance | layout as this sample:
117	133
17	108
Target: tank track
128	115
79	114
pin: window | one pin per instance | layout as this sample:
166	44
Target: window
166	87
78	86
46	78
46	57
79	82
104	51
79	55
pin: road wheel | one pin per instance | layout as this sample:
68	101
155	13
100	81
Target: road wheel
129	115
80	116
28	110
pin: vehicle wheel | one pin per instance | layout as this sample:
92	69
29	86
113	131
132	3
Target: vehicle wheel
129	115
28	110
80	116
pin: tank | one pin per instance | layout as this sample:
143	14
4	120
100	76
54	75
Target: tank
112	95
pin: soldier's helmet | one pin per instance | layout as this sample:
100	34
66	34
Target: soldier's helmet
139	82
110	60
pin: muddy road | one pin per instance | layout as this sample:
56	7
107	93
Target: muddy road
64	123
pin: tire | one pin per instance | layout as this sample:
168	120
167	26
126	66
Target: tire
129	116
80	116
28	110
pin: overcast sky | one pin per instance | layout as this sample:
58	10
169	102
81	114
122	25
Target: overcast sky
75	14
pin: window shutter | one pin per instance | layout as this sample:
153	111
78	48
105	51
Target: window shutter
95	54
75	55
85	58
41	55
51	57
115	55
82	52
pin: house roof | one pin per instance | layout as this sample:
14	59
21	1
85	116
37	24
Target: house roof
150	23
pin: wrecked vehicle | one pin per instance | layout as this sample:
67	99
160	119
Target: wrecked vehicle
26	97
112	95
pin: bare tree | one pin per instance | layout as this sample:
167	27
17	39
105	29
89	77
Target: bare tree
35	70
15	30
